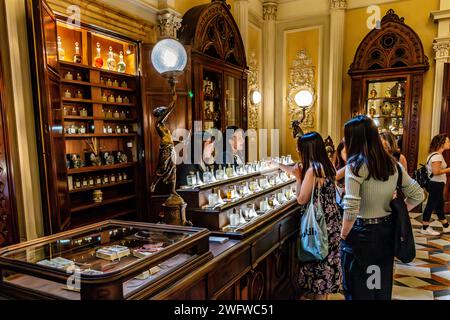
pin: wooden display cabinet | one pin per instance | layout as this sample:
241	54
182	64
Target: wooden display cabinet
387	79
92	127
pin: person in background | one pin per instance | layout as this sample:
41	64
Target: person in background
437	170
234	152
320	278
340	161
390	145
207	159
367	227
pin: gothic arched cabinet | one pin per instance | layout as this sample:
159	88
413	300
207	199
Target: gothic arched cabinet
218	66
387	78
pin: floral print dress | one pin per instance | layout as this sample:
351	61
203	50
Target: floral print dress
324	277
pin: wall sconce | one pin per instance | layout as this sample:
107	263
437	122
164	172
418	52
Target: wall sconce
169	58
304	99
255	97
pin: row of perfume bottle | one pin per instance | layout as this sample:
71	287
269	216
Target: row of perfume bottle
116	114
77	94
109	82
85	182
75	129
373	94
113	99
246	213
69	76
210	176
75	112
245	189
111	63
118	129
115	83
73	160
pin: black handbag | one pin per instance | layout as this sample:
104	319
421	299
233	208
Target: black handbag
404	245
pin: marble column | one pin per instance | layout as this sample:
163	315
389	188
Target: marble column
337	25
441	47
269	37
240	13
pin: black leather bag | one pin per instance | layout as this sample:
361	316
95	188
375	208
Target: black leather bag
404	245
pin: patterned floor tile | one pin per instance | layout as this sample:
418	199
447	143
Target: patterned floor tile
421	254
413	282
443	298
413	271
439	243
445	275
441	257
421	240
414	215
405	293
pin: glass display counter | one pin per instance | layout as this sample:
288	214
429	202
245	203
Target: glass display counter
108	260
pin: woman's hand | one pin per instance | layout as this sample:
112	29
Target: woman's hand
296	171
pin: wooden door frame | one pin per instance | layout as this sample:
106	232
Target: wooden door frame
8	190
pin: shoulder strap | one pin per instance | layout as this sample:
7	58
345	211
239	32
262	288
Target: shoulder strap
400	177
311	201
431	156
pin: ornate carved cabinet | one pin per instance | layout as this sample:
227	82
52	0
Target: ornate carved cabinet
218	66
387	78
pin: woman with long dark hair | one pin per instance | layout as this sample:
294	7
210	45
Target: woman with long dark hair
437	170
319	278
367	248
390	144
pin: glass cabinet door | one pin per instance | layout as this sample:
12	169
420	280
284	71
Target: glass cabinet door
232	101
385	104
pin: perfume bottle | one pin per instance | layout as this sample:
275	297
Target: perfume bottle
234	218
119	177
98	180
125	129
83	112
111	99
220	174
69	76
119	99
207	175
112	178
79	95
124	84
109	129
111	62
82	129
123	115
74	111
79	77
105	179
116	115
109	83
77	56
104	97
91	181
399	90
115	83
84	183
118	129
98	61
400	128
121	66
199	181
229	171
125	177
191	179
60	49
67	94
109	113
126	100
77	183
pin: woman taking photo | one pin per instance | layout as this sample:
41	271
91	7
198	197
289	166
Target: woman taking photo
319	278
437	170
367	228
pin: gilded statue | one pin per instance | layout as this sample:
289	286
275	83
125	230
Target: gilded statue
166	170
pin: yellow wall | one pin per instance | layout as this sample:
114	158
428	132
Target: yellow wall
295	41
417	16
184	5
254	42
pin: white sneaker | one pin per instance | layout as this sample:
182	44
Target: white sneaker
446	230
429	232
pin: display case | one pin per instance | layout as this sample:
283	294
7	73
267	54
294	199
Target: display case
235	201
387	79
108	260
88	120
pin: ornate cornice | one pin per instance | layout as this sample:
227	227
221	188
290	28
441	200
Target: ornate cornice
441	49
339	4
270	10
168	24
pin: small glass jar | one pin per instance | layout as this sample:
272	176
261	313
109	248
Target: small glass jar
91	181
109	83
83	112
109	129
79	95
115	83
123	115
105	179
84	182
124	84
82	129
191	179
69	76
111	99
125	176
98	180
125	129
108	113
119	177
119	99
67	94
126	100
118	129
79	77
112	178
116	114
77	183
104	97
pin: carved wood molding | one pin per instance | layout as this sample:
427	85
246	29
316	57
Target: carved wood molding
253	84
211	30
395	45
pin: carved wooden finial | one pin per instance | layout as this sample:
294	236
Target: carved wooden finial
392	16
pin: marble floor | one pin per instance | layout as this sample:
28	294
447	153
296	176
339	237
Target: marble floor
428	276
